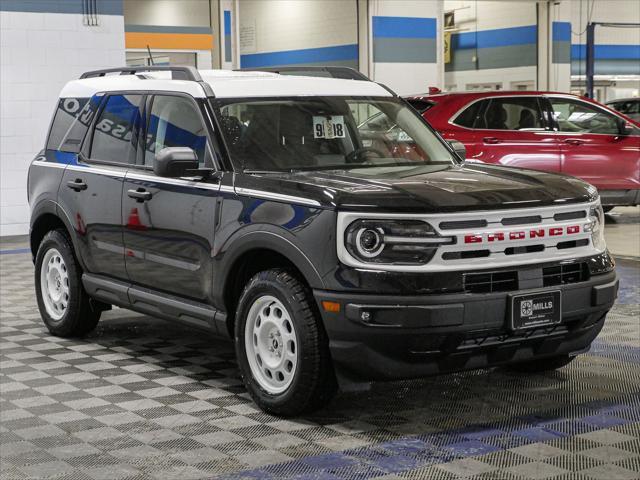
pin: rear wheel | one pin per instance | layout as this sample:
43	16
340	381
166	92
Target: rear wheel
543	364
281	346
64	305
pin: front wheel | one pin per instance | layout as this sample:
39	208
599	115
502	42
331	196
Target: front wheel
543	364
281	346
64	305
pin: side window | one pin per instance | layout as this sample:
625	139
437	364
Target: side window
70	123
513	113
628	107
118	121
175	122
470	116
576	116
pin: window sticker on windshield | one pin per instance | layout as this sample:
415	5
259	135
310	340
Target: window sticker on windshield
329	126
404	136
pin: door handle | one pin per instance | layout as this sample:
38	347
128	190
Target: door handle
141	195
491	140
77	185
573	141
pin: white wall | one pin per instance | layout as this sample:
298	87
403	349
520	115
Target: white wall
614	78
285	25
606	11
175	13
408	77
39	53
294	25
471	16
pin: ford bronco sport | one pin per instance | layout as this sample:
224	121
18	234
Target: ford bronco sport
251	204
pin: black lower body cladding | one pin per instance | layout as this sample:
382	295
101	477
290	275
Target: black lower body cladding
384	337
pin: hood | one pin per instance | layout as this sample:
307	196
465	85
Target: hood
426	188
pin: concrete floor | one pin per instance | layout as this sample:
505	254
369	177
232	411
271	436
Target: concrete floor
142	399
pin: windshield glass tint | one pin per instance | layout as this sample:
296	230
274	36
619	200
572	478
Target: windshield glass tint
312	133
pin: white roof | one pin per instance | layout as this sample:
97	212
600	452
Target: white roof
227	84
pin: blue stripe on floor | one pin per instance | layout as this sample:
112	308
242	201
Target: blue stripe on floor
409	453
14	251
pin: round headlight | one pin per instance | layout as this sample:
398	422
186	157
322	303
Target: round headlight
392	241
369	241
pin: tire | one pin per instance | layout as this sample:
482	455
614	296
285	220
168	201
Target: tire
64	305
542	365
607	209
281	345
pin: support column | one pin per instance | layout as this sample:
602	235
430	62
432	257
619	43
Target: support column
364	35
218	45
544	46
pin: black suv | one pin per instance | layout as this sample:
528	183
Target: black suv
256	206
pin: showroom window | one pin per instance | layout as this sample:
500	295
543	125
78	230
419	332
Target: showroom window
175	122
511	113
118	121
575	116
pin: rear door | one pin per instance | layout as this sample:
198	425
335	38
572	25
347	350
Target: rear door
91	190
169	222
513	131
592	147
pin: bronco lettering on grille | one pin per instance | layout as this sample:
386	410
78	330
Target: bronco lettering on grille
521	234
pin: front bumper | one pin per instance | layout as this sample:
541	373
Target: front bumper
382	337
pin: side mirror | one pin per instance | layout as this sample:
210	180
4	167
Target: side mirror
175	162
625	128
459	148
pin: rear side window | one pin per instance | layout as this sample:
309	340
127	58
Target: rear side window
470	116
511	113
70	123
118	121
421	105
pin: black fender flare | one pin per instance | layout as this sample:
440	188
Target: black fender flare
260	237
50	207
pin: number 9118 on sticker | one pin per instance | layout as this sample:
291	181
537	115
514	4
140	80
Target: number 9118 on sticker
328	126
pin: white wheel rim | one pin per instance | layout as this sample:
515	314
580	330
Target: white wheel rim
271	344
54	284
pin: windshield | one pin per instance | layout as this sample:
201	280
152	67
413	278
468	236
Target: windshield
315	133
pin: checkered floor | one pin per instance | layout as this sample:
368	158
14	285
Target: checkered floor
140	399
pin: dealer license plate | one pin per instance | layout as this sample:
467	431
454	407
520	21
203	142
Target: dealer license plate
536	309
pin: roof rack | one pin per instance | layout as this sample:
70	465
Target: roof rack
315	71
181	72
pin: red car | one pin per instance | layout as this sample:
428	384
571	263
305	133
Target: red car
554	132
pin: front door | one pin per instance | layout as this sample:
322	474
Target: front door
91	190
513	132
169	222
592	145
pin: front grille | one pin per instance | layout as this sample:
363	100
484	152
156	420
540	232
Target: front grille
521	220
465	254
490	282
454	225
521	250
573	244
563	274
569	215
